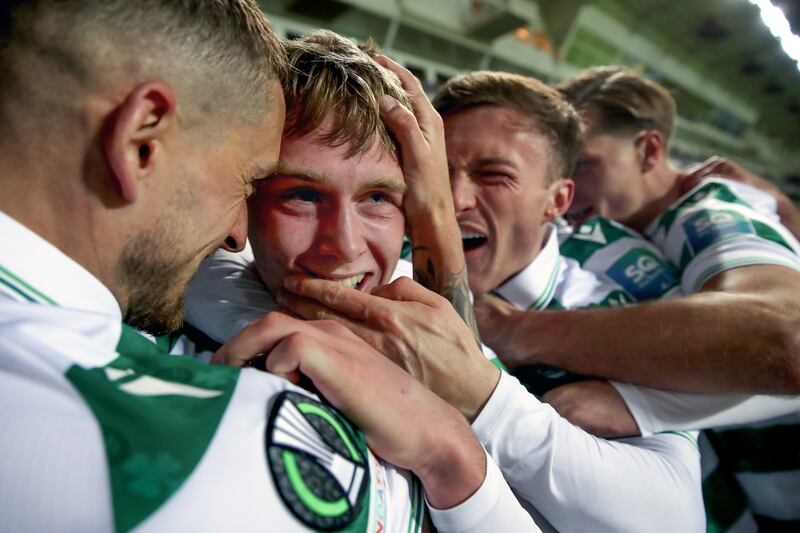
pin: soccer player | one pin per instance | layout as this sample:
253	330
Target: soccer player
557	469
132	133
734	334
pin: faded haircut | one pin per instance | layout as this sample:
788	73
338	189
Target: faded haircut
543	105
329	75
623	102
221	53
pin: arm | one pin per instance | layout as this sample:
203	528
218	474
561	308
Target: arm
740	333
573	479
613	410
402	421
437	253
580	482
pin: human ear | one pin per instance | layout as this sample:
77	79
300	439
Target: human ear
649	148
560	195
133	140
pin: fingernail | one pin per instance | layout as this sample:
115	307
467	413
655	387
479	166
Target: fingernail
280	297
387	103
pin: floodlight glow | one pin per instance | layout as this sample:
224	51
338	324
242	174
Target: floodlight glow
778	26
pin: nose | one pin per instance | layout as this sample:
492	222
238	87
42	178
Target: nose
463	192
237	236
341	235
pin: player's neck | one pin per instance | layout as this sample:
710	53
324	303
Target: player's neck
663	189
56	206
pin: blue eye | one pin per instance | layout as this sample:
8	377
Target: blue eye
377	197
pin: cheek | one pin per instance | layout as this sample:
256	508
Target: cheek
385	238
278	240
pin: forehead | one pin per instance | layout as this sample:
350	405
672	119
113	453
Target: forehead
495	131
331	164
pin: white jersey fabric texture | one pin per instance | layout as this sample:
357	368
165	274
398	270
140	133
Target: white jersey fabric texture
555	468
104	431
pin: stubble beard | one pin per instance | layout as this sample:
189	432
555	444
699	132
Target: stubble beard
155	272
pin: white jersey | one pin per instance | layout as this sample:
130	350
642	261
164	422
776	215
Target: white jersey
717	226
630	267
626	270
103	431
564	467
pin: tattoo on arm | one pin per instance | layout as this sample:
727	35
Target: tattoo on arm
454	286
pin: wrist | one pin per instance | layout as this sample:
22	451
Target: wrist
429	210
527	335
455	465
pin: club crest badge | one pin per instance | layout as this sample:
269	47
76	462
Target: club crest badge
318	461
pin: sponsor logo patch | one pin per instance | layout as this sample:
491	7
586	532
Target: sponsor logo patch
319	462
643	274
707	227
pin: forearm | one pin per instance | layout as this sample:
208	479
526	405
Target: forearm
438	256
579	482
711	342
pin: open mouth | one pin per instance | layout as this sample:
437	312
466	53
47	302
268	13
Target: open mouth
472	240
358	282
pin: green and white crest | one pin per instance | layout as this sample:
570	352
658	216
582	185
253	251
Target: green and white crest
319	464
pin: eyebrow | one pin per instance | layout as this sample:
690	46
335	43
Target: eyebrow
259	171
304	174
487	161
494	161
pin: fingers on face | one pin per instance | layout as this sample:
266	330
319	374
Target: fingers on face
332	295
405	289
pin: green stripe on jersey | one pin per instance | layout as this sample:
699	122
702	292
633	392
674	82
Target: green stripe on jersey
22	288
416	512
157	414
550	288
766	232
724	500
710	190
593	235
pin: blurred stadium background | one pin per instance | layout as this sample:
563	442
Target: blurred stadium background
730	67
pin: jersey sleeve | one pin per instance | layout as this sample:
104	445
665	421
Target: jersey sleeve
493	507
656	410
714	228
226	294
579	482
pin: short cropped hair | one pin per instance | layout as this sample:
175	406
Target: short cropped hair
624	103
546	108
330	75
221	52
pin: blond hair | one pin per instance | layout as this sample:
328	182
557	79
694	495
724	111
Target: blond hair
331	76
625	103
543	105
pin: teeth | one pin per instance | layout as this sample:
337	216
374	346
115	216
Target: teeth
470	235
351	282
